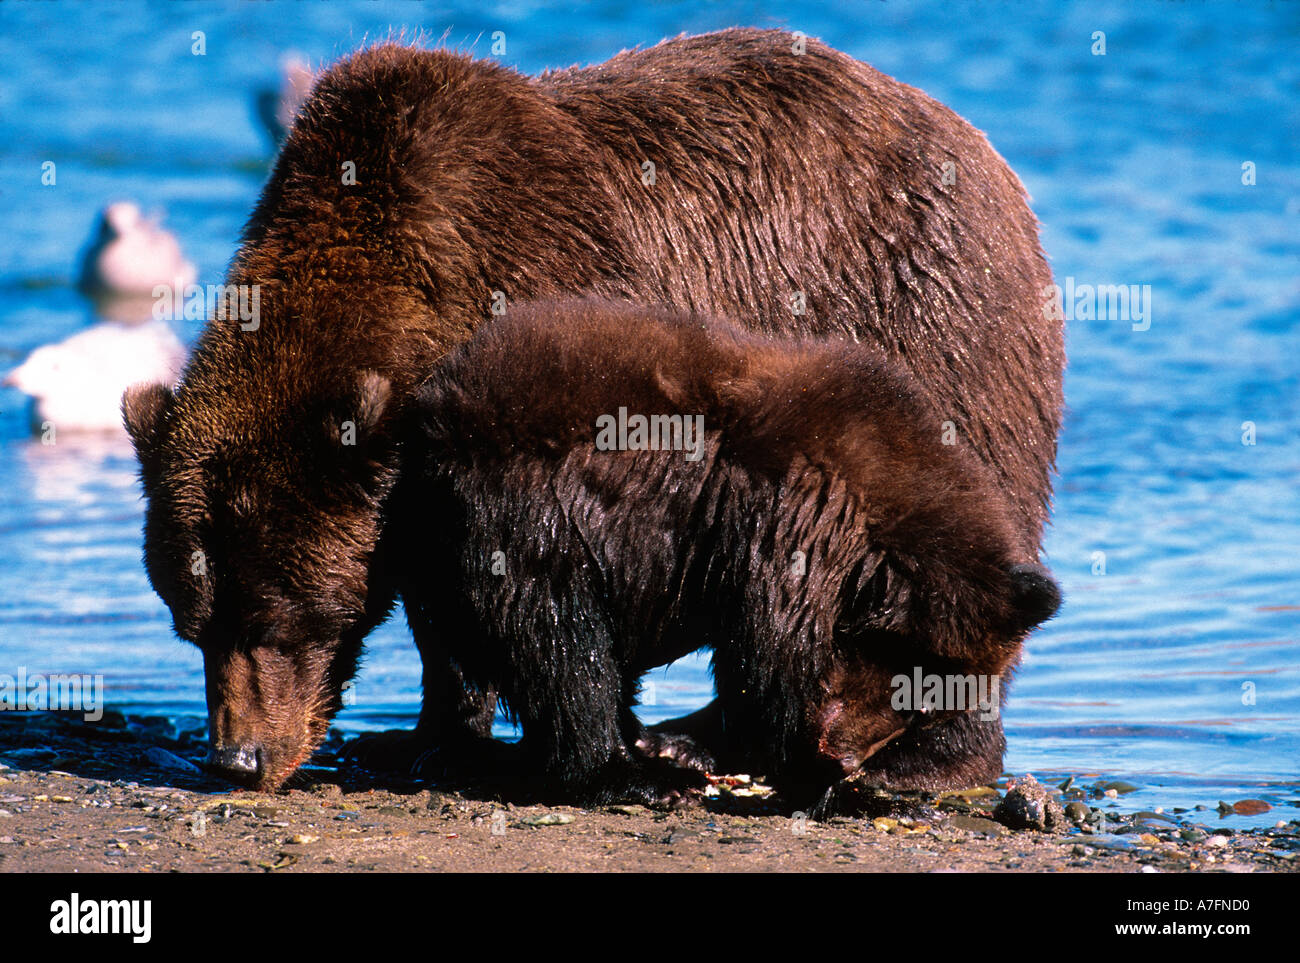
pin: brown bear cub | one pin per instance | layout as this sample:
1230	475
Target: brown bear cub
592	489
744	173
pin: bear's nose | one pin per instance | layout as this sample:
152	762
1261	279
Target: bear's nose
238	762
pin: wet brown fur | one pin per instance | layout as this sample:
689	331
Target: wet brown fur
825	540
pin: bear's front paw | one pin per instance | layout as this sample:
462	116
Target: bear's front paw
679	749
659	785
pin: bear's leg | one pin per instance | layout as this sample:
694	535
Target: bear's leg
453	708
454	732
579	728
675	748
696	741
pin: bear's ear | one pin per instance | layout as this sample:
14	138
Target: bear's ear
736	395
1035	596
373	395
355	418
673	388
739	394
144	409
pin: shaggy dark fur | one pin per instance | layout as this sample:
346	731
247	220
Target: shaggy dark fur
823	541
776	176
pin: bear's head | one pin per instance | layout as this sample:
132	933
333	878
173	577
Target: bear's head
906	660
261	537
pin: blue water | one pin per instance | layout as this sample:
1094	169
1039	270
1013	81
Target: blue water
1134	161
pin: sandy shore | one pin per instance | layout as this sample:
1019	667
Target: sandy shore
122	796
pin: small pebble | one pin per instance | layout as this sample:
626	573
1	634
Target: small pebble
975	824
1078	812
547	819
1027	805
1250	807
1218	842
169	760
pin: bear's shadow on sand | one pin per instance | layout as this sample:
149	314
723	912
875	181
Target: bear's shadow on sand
156	751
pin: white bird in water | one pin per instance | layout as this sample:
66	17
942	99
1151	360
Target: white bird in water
130	255
76	385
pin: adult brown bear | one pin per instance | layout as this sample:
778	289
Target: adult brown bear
664	481
735	173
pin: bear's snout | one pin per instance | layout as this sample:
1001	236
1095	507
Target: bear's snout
267	712
238	762
260	766
849	736
264	768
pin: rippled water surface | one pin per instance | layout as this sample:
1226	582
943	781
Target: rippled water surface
1134	160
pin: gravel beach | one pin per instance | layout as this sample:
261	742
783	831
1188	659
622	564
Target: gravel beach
124	795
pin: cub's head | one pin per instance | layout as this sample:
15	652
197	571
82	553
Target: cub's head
907	659
260	535
929	622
